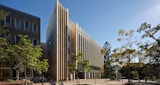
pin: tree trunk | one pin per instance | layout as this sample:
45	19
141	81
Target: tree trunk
25	73
42	79
32	74
107	72
129	71
17	74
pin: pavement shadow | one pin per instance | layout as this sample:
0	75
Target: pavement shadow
143	83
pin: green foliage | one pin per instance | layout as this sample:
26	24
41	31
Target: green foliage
103	51
136	70
3	41
71	67
22	54
3	14
127	52
108	67
151	49
28	56
3	48
113	74
3	30
42	66
151	71
81	63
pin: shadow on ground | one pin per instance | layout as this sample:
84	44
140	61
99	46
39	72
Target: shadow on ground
142	83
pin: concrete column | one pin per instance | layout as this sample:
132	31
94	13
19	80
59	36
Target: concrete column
74	76
71	76
85	75
92	75
100	75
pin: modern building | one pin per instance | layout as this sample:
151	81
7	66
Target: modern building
81	42
18	22
56	43
64	37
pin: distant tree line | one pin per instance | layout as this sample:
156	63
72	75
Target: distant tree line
136	58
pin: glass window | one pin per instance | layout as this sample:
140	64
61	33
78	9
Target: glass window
8	21
17	23
35	42
68	38
26	26
34	28
17	39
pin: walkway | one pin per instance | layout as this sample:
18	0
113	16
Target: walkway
90	82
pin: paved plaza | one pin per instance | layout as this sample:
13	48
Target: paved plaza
100	82
88	81
94	82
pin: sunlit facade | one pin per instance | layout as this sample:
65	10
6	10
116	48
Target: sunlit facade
64	37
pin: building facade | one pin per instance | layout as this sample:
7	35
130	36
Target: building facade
18	22
81	42
56	42
64	37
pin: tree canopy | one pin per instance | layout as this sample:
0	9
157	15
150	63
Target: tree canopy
22	54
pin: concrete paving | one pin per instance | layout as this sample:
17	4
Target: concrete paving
88	81
94	82
100	82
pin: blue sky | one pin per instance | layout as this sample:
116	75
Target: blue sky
101	19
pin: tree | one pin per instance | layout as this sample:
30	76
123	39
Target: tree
152	49
125	53
83	65
73	63
4	45
3	14
21	55
78	64
106	51
107	59
108	68
136	70
28	56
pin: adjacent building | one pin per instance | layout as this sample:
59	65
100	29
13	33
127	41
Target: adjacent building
18	22
64	37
